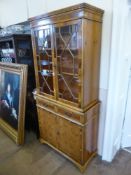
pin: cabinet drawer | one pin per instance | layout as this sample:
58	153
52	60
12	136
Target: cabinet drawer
70	114
46	105
61	111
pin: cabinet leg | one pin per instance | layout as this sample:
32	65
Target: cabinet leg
41	141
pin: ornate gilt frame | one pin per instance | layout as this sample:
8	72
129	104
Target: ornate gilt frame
21	70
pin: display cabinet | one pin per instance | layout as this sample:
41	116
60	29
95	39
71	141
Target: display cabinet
17	48
66	47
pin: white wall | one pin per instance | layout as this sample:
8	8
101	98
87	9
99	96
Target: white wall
120	63
14	11
126	136
36	7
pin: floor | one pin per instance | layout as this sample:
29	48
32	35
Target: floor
37	159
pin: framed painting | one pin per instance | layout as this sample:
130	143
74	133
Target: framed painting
13	83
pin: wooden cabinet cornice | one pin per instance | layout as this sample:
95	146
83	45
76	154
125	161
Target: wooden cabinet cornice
67	14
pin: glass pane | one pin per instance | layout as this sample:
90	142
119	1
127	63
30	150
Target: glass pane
23	48
68	62
44	60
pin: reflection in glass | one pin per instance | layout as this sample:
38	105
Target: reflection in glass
44	61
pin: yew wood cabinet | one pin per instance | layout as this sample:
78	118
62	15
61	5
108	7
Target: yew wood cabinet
66	47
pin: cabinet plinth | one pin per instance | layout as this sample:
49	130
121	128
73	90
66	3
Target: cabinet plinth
66	47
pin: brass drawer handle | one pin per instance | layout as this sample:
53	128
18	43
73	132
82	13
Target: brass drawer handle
58	133
68	114
45	105
48	106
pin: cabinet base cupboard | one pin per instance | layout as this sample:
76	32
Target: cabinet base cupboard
66	47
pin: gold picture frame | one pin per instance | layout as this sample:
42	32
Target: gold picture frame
13	84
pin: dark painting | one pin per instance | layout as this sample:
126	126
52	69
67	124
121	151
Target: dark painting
9	98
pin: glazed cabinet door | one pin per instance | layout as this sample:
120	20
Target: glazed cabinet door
43	58
68	56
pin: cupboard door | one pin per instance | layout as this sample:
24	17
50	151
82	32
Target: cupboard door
68	55
70	139
48	126
44	59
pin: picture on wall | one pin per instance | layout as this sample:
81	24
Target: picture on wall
13	82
